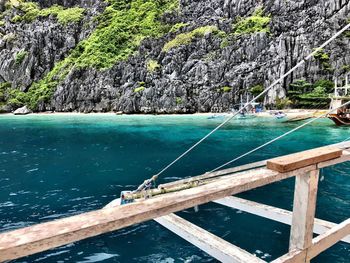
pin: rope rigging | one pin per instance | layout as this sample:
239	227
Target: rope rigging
280	137
147	184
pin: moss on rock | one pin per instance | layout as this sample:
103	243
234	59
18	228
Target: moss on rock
253	24
186	38
121	28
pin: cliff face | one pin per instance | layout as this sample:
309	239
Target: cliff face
203	57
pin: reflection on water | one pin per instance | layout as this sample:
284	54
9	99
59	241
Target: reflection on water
55	166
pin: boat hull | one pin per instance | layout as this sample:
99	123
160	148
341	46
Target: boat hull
340	121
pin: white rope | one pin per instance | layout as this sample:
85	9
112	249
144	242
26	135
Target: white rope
252	101
347	139
279	137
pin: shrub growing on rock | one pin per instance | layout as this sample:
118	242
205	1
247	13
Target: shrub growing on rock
226	89
121	28
186	38
152	65
139	89
20	56
30	11
178	26
253	24
283	103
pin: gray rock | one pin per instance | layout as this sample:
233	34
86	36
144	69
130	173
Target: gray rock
22	111
190	77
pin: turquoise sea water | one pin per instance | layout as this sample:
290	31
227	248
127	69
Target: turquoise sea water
55	166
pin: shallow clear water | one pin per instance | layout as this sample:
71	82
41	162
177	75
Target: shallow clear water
55	166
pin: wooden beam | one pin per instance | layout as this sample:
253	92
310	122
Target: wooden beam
304	207
204	240
328	239
273	213
215	174
298	160
341	145
208	177
209	243
295	256
319	244
344	158
41	237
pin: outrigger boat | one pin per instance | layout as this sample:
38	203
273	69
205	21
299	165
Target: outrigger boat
342	116
300	117
247	113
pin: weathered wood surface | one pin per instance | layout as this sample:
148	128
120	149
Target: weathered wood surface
304	207
209	243
328	239
41	237
343	158
318	245
298	160
273	213
341	145
295	256
215	174
209	177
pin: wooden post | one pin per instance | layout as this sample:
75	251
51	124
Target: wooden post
346	85
304	207
335	87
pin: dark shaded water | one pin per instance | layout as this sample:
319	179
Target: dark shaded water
55	166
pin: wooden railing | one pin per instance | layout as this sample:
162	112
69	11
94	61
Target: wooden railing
304	166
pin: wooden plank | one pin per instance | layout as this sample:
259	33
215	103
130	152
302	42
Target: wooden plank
177	186
209	243
304	207
204	240
115	202
273	213
215	174
341	145
344	158
295	256
41	237
319	244
298	160
328	239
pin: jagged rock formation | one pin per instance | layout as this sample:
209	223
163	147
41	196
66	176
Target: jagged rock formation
208	73
45	42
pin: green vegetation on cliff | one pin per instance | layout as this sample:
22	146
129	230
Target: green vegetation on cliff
152	65
3	90
311	95
139	89
256	90
186	38
29	11
64	16
283	103
20	56
323	58
252	24
178	26
121	28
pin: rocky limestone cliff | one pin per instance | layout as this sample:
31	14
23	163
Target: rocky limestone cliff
209	73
